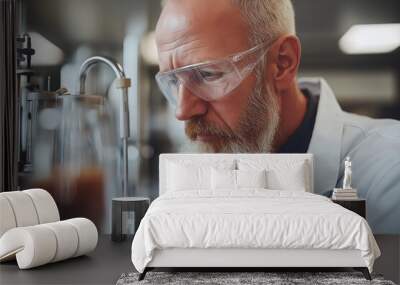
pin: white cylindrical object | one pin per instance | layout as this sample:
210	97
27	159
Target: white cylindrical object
67	240
87	234
37	245
34	246
45	205
7	218
23	207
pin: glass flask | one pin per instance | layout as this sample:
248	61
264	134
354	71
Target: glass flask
84	154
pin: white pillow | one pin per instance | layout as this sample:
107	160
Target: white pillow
225	179
292	179
189	174
181	177
251	178
281	174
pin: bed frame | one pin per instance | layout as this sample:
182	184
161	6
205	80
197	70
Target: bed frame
249	259
260	259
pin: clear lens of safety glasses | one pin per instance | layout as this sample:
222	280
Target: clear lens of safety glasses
210	80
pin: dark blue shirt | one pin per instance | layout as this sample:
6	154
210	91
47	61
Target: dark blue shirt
299	141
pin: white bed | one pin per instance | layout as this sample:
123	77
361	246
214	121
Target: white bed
248	227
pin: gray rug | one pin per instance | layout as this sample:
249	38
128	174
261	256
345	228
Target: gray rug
243	278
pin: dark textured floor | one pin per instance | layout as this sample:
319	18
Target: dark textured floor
244	278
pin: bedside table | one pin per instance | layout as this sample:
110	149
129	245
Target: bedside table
124	205
357	206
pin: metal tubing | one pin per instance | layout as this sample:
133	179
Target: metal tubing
124	117
116	67
125	166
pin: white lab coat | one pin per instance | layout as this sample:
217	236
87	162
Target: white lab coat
374	148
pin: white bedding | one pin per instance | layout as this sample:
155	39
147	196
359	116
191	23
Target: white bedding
251	218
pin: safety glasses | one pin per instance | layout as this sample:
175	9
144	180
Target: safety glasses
211	80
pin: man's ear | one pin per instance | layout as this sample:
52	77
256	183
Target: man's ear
285	59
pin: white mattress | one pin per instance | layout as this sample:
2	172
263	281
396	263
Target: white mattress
250	219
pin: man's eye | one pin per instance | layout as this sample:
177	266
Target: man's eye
210	75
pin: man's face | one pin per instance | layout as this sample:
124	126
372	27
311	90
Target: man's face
246	120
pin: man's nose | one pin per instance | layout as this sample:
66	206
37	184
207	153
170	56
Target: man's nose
189	105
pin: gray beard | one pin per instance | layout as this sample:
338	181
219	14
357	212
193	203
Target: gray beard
262	116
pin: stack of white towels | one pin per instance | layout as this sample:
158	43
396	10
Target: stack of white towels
344	194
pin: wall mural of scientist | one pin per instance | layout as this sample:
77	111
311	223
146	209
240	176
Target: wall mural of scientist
231	77
242	94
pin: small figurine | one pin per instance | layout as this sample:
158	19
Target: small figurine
347	174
